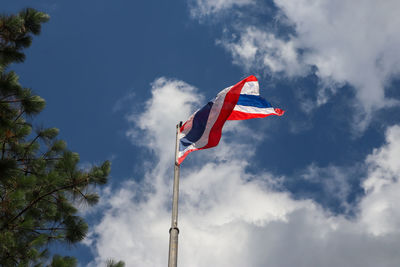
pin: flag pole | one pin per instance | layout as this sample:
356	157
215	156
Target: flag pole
174	231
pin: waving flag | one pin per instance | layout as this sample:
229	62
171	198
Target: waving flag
239	102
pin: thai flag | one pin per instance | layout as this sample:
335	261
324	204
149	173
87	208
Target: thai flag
241	101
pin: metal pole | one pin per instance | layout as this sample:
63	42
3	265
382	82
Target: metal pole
174	231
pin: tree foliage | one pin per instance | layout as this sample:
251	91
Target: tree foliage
114	263
41	183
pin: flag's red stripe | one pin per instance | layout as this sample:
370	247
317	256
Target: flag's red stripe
239	115
251	78
230	101
186	153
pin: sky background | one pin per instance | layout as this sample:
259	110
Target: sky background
318	186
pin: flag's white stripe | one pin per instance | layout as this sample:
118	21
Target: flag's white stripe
250	88
214	113
254	110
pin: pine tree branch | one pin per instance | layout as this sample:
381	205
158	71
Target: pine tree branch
11	101
11	256
51	229
3	149
30	144
19	116
50	202
29	172
43	229
84	196
7	96
47	159
35	201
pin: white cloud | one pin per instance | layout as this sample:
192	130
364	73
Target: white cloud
333	183
122	103
379	210
349	42
171	102
257	49
229	217
206	7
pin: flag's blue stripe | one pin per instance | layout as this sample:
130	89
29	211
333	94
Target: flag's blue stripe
254	101
198	127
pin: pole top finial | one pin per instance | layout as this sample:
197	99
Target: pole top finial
179	125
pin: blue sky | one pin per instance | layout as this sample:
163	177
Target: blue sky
315	187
